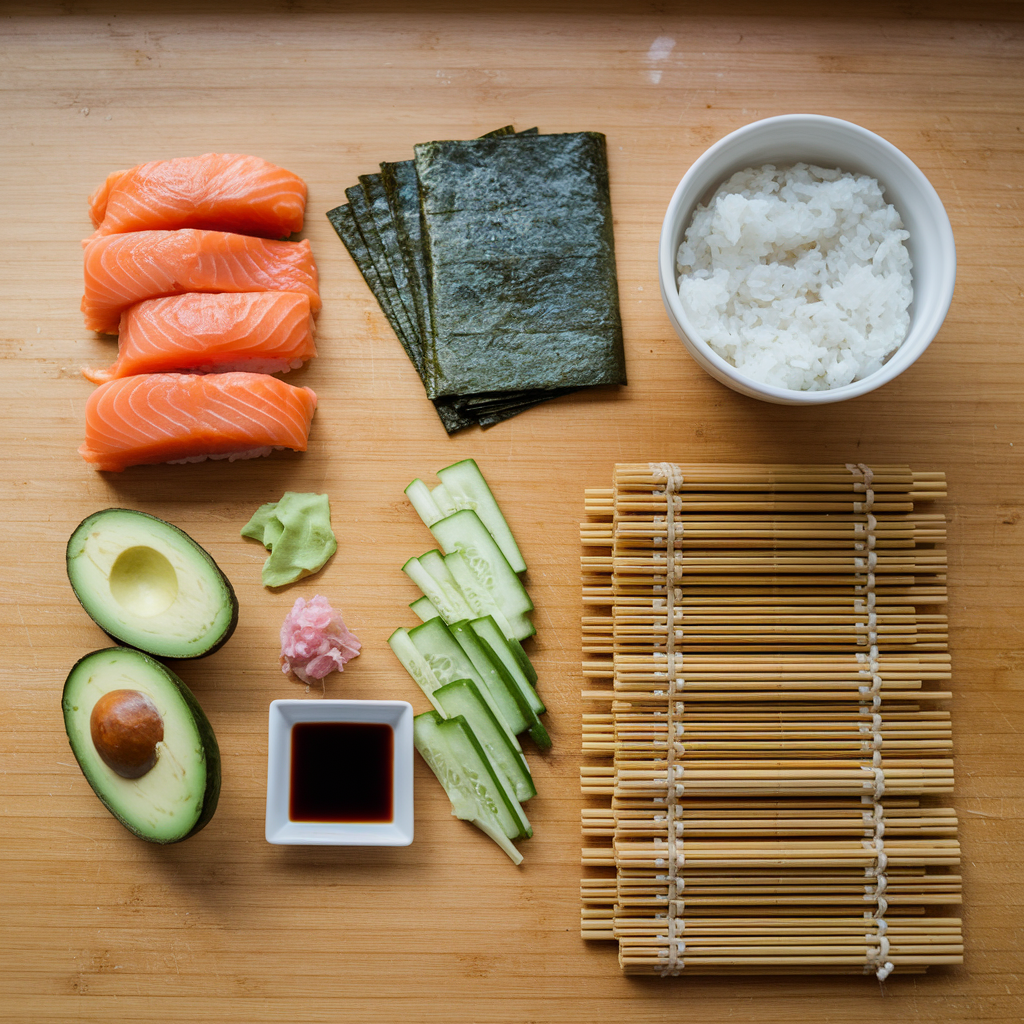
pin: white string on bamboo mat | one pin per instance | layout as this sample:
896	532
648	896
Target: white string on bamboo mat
676	945
866	560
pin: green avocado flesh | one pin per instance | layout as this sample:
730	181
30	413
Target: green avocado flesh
178	795
149	585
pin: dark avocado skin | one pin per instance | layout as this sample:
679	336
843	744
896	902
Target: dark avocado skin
84	525
211	749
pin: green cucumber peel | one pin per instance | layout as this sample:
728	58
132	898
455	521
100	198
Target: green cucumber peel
502	651
494	681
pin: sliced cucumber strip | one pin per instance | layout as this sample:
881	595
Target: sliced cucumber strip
459	595
465	532
415	664
449	660
443	500
463	698
489	634
533	724
431	575
468	489
423	608
456	758
482	601
520	655
487	668
419	494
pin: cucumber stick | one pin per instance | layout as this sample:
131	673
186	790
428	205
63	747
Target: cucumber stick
463	486
419	494
430	573
441	590
499	648
463	698
467	657
415	664
449	659
498	680
464	533
423	608
467	489
516	626
457	759
443	500
495	679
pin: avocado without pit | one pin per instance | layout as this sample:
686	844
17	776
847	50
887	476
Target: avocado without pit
143	743
149	585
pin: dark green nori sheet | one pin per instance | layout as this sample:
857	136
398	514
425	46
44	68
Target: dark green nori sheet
489	398
521	257
380	210
344	223
401	188
383	229
368	229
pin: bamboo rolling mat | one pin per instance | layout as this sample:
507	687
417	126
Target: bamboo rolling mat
766	757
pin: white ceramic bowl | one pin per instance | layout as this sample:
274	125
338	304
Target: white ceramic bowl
827	142
284	715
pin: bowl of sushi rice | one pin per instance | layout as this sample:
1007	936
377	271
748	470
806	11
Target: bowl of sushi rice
805	260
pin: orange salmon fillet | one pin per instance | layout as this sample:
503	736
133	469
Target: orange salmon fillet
219	191
264	332
172	417
121	270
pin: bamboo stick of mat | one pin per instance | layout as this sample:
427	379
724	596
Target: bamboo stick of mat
765	649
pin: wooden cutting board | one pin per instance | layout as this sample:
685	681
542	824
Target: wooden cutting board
96	926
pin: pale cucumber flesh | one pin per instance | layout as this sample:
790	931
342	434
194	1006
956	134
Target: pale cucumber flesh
465	532
468	489
463	698
449	748
448	660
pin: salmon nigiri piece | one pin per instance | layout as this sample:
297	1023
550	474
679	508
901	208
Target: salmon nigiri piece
184	417
121	270
219	191
263	332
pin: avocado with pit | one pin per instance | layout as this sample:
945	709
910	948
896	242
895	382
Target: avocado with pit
143	743
149	585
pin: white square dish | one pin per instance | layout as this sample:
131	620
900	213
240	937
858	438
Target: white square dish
281	828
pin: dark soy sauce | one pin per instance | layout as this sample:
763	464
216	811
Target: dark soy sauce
342	771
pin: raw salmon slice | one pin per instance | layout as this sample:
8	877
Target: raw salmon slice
219	191
121	270
262	332
184	417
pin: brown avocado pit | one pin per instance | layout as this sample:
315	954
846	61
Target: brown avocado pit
126	728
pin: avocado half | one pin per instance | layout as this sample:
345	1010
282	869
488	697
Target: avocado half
175	797
149	585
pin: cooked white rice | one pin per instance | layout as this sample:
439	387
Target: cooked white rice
799	277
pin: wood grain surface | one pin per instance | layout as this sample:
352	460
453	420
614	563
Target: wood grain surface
96	926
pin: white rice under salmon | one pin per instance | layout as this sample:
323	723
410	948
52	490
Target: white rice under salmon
799	277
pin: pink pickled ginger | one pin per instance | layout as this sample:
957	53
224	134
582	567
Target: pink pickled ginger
314	640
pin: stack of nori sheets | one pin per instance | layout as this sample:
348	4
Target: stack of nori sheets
494	262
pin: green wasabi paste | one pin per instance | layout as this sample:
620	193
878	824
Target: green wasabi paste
297	532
